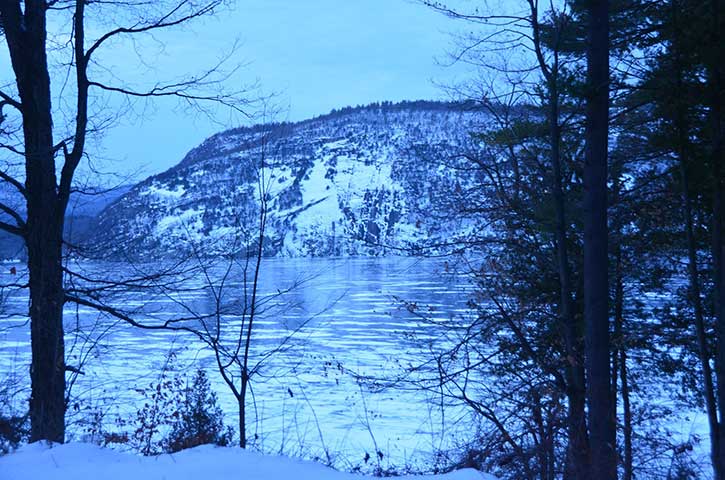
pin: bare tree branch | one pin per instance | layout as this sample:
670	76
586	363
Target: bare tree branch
166	20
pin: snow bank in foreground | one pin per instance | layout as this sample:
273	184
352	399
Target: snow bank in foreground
78	461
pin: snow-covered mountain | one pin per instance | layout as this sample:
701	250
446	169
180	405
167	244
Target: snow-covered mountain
358	181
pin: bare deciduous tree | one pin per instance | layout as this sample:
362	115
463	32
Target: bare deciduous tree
50	152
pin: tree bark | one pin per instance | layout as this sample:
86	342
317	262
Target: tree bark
627	414
718	244
577	464
25	34
47	401
619	363
602	415
578	450
696	300
242	404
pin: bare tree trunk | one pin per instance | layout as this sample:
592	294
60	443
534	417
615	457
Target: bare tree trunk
694	280
25	33
47	370
602	415
577	464
718	253
578	450
242	403
627	414
692	269
543	445
619	366
718	241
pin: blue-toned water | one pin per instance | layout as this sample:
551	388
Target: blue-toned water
332	318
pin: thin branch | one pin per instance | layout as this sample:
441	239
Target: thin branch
16	216
12	229
8	100
176	90
12	181
164	22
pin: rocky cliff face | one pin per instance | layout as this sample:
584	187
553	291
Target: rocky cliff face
359	181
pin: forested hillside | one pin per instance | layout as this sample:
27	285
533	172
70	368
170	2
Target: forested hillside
369	180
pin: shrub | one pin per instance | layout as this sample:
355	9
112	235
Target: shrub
162	405
14	423
200	420
13	431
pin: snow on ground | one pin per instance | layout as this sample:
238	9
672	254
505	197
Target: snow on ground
81	461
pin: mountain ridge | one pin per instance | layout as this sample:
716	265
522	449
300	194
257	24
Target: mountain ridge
356	181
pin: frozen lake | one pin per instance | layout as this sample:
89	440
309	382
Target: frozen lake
351	321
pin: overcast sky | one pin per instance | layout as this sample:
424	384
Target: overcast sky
316	55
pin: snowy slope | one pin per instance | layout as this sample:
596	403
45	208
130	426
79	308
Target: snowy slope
359	181
77	461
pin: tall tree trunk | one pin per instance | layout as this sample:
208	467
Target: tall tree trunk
25	33
627	414
619	362
47	401
682	149
242	403
718	254
602	415
695	298
577	463
578	450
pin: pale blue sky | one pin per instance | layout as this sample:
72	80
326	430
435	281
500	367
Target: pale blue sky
315	54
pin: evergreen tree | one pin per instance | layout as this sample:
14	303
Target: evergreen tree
200	420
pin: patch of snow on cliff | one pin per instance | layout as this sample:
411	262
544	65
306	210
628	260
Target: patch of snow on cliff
164	193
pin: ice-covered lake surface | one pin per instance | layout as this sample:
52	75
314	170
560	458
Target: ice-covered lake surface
351	322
